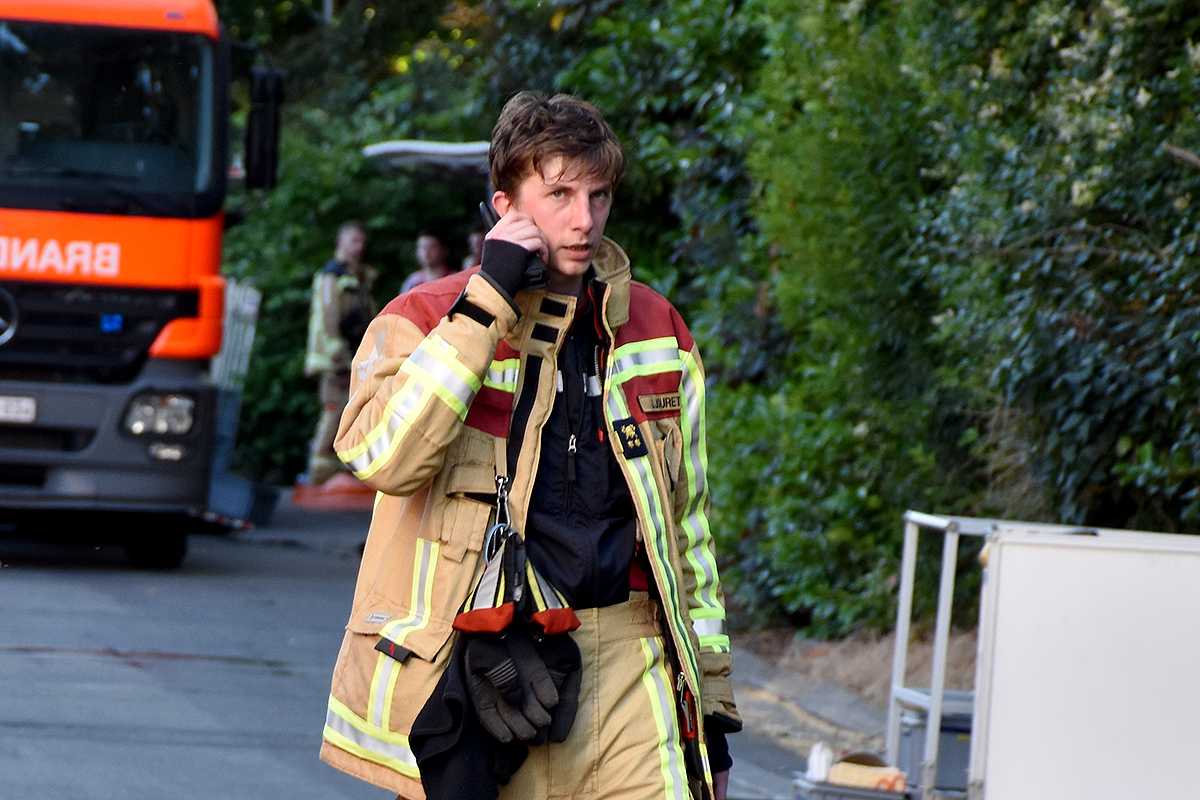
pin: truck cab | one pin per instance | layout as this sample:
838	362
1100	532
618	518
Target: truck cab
113	162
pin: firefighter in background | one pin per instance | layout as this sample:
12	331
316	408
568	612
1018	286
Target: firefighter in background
341	309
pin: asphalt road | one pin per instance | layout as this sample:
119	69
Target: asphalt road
206	682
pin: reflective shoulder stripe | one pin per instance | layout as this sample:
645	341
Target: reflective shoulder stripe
657	683
346	730
716	643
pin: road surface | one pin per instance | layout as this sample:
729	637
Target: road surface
206	682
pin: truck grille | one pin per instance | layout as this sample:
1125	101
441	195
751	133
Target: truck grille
85	334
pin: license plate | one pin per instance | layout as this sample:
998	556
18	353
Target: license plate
18	409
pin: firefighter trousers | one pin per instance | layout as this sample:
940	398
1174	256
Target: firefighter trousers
625	742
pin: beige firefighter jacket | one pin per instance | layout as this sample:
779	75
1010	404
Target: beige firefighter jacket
433	397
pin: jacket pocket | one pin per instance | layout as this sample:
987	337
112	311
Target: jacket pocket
468	499
405	632
668	442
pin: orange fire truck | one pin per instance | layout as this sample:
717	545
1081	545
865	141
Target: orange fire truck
113	167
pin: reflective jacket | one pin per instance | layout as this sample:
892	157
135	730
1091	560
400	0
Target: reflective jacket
451	387
339	298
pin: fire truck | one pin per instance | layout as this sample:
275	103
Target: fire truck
113	168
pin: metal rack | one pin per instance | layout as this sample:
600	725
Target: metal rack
932	701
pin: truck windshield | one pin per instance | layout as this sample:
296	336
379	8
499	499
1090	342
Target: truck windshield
106	119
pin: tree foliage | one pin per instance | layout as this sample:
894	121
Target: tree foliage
937	255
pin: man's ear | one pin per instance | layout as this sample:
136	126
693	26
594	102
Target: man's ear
501	202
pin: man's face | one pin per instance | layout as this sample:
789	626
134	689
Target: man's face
430	253
350	244
570	208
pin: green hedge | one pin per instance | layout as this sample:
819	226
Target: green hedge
937	256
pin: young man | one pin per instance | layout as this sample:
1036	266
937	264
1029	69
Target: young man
581	392
340	309
431	261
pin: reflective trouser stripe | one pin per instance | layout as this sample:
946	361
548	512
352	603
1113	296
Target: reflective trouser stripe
346	730
657	683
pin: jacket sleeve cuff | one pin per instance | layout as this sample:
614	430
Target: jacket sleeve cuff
485	295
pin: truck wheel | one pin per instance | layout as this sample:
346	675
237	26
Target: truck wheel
161	550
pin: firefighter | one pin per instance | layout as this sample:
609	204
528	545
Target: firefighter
340	310
538	611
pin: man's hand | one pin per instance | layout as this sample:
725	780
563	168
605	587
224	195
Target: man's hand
720	784
520	229
510	255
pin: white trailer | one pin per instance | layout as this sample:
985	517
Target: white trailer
1086	682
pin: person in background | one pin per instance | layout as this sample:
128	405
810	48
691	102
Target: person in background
474	255
340	310
431	261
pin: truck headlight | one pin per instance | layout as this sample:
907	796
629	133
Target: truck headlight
160	414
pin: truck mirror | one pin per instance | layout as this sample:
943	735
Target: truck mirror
262	128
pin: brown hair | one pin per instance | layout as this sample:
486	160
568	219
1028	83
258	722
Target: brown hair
533	128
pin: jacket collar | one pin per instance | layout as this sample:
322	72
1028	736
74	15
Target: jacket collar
611	268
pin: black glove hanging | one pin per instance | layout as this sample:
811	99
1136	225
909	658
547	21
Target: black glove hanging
510	687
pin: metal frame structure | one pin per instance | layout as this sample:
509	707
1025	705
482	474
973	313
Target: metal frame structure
901	696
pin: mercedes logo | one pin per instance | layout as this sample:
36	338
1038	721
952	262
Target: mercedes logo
8	317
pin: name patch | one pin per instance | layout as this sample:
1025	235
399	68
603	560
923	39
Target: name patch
652	403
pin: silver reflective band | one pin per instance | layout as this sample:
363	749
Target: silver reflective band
593	386
670	750
708	627
373	744
412	395
667	358
443	375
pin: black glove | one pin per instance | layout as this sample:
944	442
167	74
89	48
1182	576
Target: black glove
509	686
561	657
511	268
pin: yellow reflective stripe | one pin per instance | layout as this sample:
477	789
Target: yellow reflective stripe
384	675
503	375
436	361
648	357
346	730
657	683
646	495
535	587
695	457
380	444
718	643
391	693
421	602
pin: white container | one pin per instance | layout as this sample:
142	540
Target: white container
1088	676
